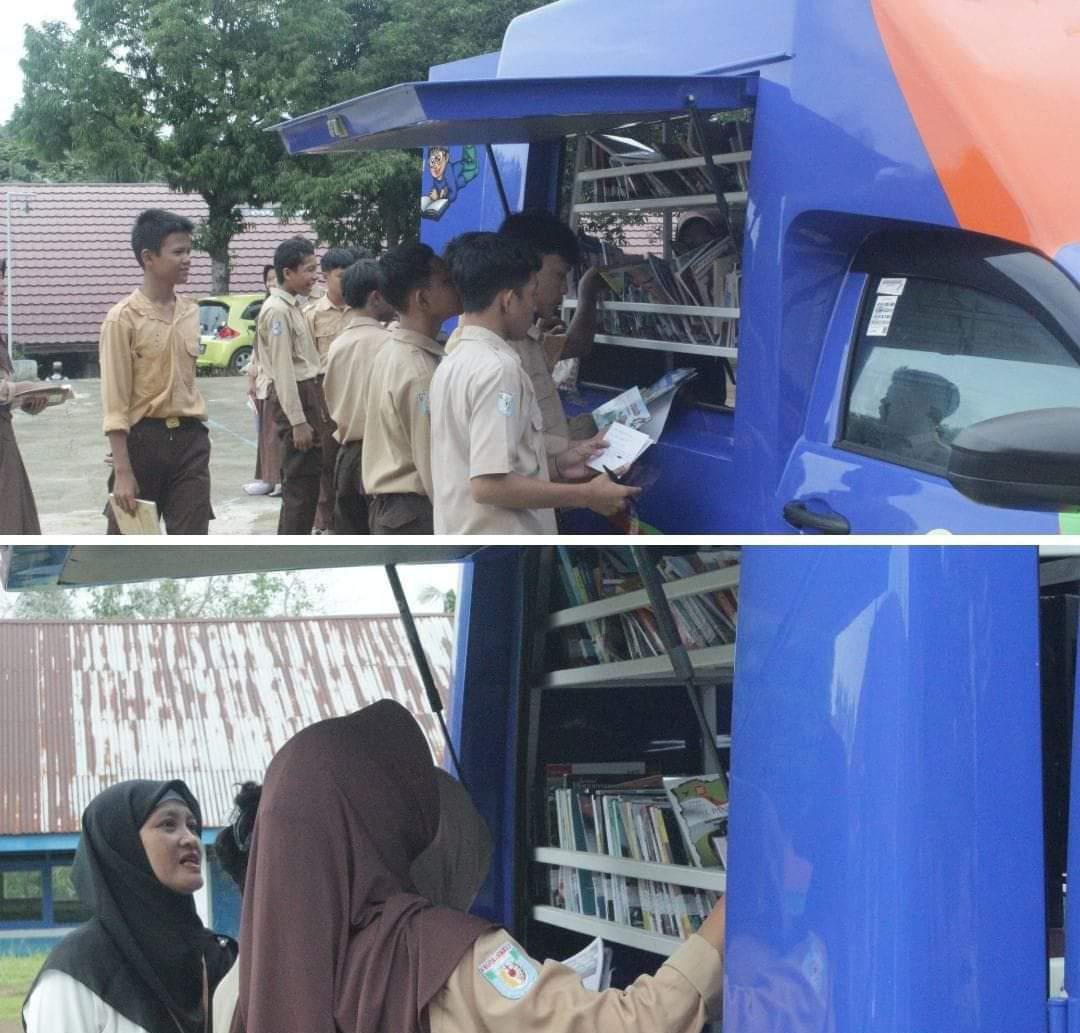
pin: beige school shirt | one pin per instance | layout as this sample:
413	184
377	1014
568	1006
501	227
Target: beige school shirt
325	322
148	362
498	988
290	353
484	420
538	352
397	423
348	369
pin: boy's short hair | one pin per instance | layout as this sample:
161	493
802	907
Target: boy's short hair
545	233
152	227
483	264
359	280
289	254
268	269
359	252
404	268
337	258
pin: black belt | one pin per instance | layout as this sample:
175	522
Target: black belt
172	422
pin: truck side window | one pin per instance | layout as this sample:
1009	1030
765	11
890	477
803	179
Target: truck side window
934	357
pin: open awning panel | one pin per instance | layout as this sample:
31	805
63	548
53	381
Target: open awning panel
501	111
84	566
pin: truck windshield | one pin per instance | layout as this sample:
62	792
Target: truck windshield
933	357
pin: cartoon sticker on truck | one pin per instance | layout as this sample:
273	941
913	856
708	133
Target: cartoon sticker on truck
447	177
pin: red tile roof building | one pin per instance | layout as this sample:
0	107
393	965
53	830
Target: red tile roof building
72	258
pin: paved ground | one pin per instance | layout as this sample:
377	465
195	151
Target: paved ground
64	451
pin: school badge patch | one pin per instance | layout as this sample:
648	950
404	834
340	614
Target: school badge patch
505	403
423	403
276	327
509	970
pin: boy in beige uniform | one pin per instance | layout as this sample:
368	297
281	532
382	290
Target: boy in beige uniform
348	370
326	319
490	465
547	341
295	394
397	424
155	417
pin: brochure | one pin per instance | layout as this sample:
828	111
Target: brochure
593	964
624	445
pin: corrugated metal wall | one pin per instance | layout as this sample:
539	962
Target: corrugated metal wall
87	704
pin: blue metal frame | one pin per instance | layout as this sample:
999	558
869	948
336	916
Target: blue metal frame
886	862
44	866
485	693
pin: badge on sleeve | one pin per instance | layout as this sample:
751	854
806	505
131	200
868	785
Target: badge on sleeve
509	970
423	403
505	403
276	327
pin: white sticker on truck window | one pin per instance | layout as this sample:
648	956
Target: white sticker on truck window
892	285
881	317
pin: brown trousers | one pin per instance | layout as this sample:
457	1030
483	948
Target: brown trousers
324	515
270	454
401	514
350	502
18	514
300	471
172	469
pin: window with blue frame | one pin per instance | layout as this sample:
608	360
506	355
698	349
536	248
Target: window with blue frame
38	893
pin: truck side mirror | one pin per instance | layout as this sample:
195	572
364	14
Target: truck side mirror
1024	460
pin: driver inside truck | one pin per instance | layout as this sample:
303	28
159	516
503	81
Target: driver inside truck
336	933
912	412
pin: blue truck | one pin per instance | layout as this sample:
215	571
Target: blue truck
896	727
908	241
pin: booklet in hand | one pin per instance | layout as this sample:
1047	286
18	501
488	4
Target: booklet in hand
145	520
624	445
53	393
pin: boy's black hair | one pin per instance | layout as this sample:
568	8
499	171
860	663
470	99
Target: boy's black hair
289	254
152	227
268	269
359	252
337	258
233	842
404	268
359	280
483	264
545	233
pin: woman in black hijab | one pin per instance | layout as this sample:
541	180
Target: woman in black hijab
144	963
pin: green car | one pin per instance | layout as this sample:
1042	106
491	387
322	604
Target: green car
227	325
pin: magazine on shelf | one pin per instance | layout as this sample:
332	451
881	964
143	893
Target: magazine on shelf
700	803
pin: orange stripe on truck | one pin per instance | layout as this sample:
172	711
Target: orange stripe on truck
994	89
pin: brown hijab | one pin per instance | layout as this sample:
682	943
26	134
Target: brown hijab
334	934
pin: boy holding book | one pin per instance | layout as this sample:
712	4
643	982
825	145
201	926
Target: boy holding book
397	421
348	369
490	465
155	416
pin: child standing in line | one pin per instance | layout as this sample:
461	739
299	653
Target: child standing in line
348	370
397	424
325	318
295	391
155	416
489	460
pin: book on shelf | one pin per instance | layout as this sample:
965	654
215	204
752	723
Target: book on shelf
700	806
633	821
702	620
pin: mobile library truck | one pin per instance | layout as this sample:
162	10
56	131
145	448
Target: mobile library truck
885	259
890	726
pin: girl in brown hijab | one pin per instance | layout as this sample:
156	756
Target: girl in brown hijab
337	936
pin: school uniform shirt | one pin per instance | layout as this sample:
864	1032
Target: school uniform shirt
61	1002
259	364
484	420
397	423
325	321
290	351
498	988
538	352
225	998
348	369
148	362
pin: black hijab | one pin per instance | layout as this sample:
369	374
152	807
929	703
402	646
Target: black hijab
142	953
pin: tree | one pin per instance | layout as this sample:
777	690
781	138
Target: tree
185	87
447	600
372	198
41	604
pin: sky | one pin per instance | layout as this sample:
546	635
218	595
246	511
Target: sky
356	590
13	17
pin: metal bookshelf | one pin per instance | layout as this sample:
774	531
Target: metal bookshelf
713	665
612	932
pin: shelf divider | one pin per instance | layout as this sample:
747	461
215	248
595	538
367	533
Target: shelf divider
678	874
